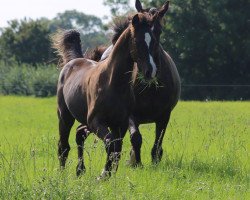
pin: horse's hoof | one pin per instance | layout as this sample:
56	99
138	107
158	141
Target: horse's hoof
80	170
156	155
62	168
139	165
132	162
156	160
132	159
105	175
134	165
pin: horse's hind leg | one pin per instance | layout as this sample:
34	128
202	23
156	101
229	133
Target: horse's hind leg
81	134
136	141
161	126
66	121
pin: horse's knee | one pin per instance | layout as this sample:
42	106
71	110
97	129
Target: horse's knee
63	149
113	145
136	140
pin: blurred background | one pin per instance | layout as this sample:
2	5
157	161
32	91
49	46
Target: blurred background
208	40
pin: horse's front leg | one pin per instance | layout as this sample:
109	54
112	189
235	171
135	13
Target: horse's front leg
136	141
161	126
114	148
105	135
81	135
113	145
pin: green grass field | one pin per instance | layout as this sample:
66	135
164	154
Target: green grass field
206	155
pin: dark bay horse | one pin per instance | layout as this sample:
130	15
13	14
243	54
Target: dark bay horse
99	95
154	103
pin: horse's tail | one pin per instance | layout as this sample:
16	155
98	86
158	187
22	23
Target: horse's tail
95	54
67	44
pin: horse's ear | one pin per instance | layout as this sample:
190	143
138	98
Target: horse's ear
135	20
138	6
163	9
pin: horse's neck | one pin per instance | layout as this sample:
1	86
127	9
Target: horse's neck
163	67
168	74
120	63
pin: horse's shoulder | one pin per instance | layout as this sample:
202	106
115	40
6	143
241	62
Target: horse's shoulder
78	65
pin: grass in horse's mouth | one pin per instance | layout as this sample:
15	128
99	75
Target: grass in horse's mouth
149	83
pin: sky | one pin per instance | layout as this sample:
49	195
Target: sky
18	9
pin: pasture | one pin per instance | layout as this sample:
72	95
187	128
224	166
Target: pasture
206	155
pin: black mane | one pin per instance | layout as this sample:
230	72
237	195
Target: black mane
119	26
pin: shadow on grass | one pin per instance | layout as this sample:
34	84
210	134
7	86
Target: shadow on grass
227	167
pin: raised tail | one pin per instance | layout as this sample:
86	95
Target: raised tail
67	44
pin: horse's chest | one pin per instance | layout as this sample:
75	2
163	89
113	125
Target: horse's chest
151	104
113	108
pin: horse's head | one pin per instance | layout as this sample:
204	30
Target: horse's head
144	47
158	13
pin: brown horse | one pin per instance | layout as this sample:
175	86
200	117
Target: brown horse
99	95
154	103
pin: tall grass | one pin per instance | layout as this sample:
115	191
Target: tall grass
206	155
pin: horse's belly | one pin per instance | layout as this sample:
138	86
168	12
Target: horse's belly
78	110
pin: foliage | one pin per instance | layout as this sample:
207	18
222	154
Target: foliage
27	41
118	7
91	27
27	80
210	44
73	19
206	155
45	81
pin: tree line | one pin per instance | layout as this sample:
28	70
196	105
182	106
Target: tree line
208	40
28	41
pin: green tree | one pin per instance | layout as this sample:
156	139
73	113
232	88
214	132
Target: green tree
210	43
91	27
27	41
118	7
74	19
